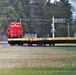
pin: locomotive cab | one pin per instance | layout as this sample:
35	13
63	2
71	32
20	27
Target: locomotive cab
14	30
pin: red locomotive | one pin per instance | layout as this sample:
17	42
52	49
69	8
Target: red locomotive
14	30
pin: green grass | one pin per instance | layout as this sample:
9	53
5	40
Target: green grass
65	44
39	71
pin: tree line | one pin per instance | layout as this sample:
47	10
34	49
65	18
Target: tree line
36	16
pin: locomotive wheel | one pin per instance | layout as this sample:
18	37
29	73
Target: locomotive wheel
20	43
29	44
12	44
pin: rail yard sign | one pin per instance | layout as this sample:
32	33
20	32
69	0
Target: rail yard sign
59	20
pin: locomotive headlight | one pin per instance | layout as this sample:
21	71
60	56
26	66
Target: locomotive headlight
14	24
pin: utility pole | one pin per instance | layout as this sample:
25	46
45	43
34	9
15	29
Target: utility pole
20	21
68	30
53	28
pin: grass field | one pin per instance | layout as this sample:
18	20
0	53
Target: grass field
17	60
38	71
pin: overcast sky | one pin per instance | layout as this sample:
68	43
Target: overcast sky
73	2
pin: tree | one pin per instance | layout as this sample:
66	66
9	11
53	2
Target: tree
35	16
11	10
61	30
63	11
41	14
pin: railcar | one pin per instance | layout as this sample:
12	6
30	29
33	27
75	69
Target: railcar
14	30
15	36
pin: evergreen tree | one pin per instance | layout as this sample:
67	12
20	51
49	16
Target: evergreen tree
12	10
36	15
